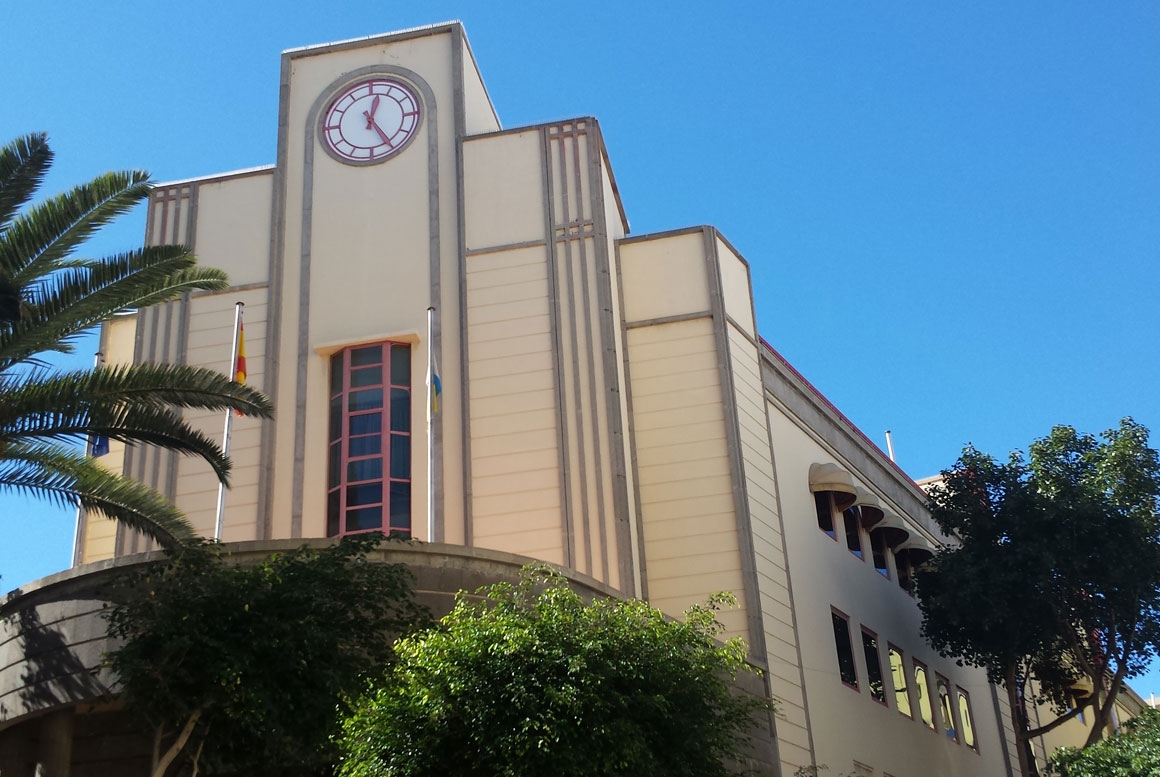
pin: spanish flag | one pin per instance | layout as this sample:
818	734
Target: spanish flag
240	365
240	362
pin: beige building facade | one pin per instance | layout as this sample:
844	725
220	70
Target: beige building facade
608	404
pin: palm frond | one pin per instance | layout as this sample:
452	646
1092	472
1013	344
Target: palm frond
75	299
150	425
132	386
69	478
23	165
48	296
51	230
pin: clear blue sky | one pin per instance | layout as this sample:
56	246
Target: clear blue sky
952	210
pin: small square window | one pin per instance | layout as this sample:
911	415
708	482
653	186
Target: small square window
846	668
879	550
898	680
824	505
967	721
922	688
873	666
852	522
946	706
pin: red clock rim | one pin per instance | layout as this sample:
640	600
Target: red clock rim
352	86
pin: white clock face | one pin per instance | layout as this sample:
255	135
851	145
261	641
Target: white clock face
370	121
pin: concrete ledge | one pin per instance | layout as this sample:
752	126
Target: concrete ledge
52	633
54	691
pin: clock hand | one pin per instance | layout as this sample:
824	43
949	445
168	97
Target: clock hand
371	113
375	126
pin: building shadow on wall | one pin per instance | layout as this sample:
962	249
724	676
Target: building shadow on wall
53	674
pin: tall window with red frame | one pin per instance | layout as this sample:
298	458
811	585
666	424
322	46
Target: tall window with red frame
369	485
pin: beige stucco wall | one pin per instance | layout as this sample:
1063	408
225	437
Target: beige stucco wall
686	495
664	277
735	288
479	113
849	726
98	534
516	501
232	228
503	189
687	508
372	236
770	566
211	326
539	295
369	269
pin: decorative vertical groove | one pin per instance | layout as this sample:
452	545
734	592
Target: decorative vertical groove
274	304
642	560
585	267
745	548
554	324
788	583
611	385
569	292
457	44
181	355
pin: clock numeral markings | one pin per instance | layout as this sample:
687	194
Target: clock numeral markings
368	97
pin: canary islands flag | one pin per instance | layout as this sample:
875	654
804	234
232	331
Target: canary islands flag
434	388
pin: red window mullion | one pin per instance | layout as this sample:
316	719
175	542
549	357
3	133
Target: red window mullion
385	434
385	439
344	441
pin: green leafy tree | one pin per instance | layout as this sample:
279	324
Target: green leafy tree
1055	583
527	681
1132	752
238	669
49	295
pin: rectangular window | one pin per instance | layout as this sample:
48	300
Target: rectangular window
873	666
369	457
967	721
878	550
846	668
902	564
922	688
853	524
946	707
898	678
825	507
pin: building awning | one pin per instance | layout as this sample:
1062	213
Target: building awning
871	508
915	554
894	535
893	528
835	480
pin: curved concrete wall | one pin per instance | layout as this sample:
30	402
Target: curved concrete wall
52	638
52	634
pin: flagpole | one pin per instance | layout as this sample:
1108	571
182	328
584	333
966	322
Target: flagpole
430	426
221	499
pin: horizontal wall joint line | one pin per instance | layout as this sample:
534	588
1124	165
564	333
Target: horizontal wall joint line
668	319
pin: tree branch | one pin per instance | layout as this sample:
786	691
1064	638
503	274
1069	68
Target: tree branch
1079	651
1072	713
1104	711
197	755
179	743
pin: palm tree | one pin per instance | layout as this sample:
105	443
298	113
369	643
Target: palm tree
49	296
